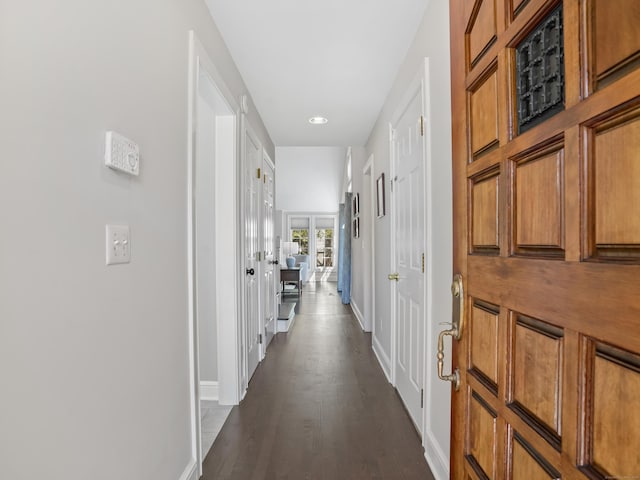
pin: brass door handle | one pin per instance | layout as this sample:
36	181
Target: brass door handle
457	292
394	276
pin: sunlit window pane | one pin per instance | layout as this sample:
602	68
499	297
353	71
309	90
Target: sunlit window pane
301	237
324	247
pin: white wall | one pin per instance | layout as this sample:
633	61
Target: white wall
358	255
94	359
309	178
432	41
207	109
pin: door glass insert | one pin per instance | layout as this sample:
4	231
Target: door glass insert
540	72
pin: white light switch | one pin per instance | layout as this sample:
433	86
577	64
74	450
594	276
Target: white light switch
122	154
118	244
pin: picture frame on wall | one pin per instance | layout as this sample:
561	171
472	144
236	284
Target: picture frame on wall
356	215
380	200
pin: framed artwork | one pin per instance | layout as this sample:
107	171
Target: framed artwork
380	204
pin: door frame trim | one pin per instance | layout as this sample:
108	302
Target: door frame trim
199	60
437	459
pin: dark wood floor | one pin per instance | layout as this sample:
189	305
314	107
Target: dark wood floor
318	407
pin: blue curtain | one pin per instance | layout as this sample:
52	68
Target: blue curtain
344	252
340	243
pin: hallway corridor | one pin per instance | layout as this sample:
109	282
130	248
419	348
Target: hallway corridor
319	407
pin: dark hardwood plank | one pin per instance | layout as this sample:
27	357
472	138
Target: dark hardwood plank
318	407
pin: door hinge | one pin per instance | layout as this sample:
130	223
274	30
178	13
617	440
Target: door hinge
391	184
422	125
422	398
259	256
260	338
423	263
259	174
264	178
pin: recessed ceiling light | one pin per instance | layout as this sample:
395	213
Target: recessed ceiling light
318	120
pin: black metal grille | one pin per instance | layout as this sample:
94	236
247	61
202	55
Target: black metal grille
540	72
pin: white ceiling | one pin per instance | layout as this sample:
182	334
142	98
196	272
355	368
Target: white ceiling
334	58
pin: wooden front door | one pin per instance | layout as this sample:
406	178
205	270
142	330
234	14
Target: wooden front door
546	166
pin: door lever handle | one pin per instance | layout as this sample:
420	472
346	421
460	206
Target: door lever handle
457	292
394	276
250	271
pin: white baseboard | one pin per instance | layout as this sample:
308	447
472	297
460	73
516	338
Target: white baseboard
382	357
358	314
191	472
209	390
438	461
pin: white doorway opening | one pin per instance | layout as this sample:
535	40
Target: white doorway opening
212	242
367	234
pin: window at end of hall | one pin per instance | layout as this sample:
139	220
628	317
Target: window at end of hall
324	247
301	237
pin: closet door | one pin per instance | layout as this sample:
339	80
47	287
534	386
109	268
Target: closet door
268	247
252	158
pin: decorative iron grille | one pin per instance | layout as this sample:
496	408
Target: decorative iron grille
540	72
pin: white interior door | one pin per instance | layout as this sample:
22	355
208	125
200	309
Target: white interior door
252	161
409	215
268	247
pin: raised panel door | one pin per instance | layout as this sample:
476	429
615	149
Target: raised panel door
252	158
409	223
546	167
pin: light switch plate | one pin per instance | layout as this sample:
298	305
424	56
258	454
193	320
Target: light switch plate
118	244
122	154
